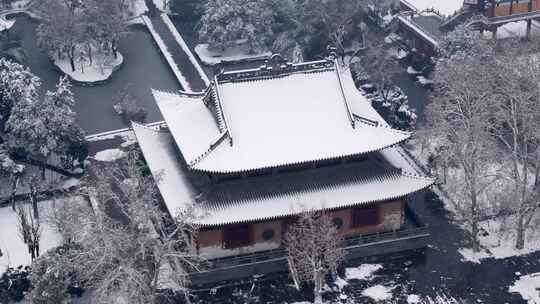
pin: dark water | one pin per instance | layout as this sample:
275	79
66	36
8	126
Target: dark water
418	96
143	66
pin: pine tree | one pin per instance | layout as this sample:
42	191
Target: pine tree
226	22
16	84
41	128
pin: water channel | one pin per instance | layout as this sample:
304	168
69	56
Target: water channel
144	67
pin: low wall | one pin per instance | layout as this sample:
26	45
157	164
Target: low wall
275	261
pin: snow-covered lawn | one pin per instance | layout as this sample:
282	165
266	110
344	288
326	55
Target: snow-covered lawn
102	68
53	180
232	54
14	250
500	239
528	286
498	235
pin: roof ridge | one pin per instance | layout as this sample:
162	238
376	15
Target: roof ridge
139	125
195	96
343	95
211	148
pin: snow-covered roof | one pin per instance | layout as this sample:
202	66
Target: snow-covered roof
289	193
426	34
191	123
270	196
161	156
277	120
444	7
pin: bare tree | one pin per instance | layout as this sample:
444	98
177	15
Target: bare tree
376	64
315	249
516	113
129	249
29	227
458	120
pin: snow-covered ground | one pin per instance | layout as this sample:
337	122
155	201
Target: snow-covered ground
14	250
232	54
362	272
445	7
528	286
138	7
20	3
161	4
110	155
6	24
500	240
378	293
101	69
498	235
53	180
516	30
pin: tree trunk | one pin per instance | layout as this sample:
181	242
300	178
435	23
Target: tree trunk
317	288
537	171
89	53
520	239
33	199
14	192
114	49
72	58
474	224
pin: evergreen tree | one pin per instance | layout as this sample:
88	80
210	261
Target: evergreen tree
17	83
227	22
41	128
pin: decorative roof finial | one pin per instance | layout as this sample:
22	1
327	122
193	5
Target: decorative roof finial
276	62
332	53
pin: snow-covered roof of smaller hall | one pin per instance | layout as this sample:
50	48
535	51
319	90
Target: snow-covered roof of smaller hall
270	196
444	7
257	119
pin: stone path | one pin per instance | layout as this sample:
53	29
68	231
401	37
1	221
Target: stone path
182	60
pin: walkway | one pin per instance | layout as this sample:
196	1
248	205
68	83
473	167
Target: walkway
184	65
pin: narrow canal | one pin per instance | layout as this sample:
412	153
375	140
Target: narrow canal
143	67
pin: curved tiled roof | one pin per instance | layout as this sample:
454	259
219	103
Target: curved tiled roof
270	196
275	120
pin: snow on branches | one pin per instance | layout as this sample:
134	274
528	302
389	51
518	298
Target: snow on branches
315	249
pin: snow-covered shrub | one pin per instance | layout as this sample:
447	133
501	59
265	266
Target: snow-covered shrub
14	284
126	105
130	110
53	276
394	108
